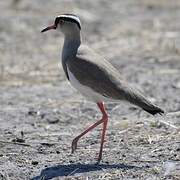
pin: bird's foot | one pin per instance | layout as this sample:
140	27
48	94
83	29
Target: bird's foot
74	145
98	158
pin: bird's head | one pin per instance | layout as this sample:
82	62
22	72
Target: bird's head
66	23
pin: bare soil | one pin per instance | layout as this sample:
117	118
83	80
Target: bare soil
40	113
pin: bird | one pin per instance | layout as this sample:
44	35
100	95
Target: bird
94	76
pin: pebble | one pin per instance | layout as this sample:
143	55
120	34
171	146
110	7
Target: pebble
34	162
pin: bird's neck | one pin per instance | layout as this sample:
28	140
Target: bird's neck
71	45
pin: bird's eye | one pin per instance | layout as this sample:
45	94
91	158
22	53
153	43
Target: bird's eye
61	22
58	21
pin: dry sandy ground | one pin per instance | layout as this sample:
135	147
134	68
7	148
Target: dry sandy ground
40	113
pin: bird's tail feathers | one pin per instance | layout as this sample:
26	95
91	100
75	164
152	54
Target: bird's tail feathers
138	99
154	110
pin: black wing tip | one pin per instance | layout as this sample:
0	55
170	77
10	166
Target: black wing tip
155	111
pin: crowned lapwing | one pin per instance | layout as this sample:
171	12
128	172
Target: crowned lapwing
93	76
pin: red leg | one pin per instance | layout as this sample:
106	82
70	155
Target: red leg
104	121
76	139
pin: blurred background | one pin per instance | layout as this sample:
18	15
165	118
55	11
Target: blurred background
140	37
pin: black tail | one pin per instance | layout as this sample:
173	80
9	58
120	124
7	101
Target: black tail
154	111
135	97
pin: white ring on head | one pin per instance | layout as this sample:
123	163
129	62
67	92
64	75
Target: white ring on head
71	16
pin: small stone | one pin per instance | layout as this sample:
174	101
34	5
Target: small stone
47	144
106	162
34	162
19	140
32	112
53	121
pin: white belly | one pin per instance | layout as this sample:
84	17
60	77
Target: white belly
84	90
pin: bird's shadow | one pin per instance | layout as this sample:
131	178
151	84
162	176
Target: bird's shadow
72	169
